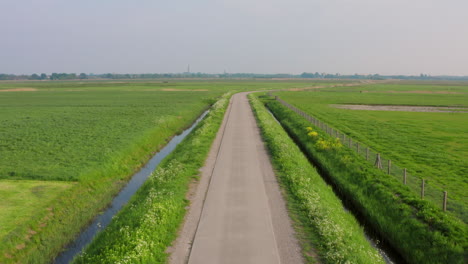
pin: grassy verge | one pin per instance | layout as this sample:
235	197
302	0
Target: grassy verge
146	226
338	237
419	231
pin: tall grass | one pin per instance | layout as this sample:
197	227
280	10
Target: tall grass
415	228
339	238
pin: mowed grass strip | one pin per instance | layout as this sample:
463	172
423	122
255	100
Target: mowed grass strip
336	235
146	226
22	200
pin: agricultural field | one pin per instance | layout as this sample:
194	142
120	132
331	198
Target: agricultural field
418	230
431	145
22	199
68	147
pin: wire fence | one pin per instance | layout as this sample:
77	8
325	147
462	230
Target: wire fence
423	187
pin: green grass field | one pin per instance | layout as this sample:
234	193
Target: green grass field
94	134
24	199
417	229
146	226
433	146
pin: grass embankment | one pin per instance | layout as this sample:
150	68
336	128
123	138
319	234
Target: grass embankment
147	225
420	232
336	234
432	146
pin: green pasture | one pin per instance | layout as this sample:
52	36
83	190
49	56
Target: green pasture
418	230
92	133
63	135
433	146
24	199
64	130
147	225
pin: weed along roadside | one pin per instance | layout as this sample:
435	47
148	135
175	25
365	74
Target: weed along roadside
146	226
335	234
419	232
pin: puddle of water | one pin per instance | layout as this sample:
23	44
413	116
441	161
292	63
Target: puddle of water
103	220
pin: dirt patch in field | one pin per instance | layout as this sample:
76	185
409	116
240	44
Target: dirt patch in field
404	108
24	89
332	86
183	90
414	92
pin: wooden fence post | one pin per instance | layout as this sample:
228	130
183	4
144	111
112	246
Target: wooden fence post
404	176
367	153
445	201
389	167
350	141
378	162
357	147
422	189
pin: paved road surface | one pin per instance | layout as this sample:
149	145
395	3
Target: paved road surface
243	217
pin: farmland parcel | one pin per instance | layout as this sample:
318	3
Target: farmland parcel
68	147
392	208
431	145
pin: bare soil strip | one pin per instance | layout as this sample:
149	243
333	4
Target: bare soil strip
414	92
237	213
183	90
334	86
19	90
403	108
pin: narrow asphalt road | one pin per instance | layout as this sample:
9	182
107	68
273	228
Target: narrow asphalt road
243	218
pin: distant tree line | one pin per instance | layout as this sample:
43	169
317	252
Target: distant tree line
199	75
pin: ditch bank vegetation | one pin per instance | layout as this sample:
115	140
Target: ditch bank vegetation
419	232
147	225
43	237
335	234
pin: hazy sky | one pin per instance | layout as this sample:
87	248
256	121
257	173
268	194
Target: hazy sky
260	36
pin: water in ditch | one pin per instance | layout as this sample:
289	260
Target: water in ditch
389	255
103	220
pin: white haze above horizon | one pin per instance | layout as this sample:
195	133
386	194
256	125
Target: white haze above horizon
258	36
